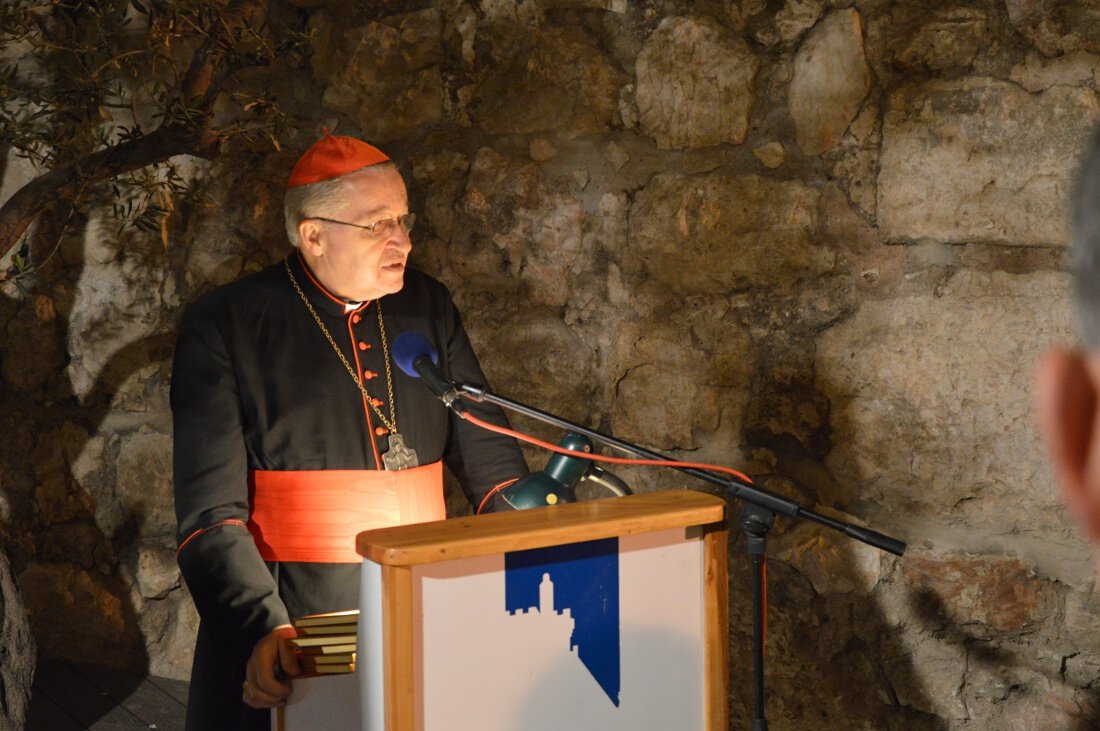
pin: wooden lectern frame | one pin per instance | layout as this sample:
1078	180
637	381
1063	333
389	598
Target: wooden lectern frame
392	554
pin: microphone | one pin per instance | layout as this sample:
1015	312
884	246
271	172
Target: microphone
416	357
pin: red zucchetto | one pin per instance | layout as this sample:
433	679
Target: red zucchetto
331	157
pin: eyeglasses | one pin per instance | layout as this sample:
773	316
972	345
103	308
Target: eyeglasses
385	227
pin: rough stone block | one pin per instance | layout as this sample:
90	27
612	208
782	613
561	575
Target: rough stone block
544	353
538	230
696	85
771	155
932	413
832	563
981	160
64	601
18	655
563	82
718	233
1036	73
943	39
678	385
1001	592
143	495
1057	26
385	75
831	79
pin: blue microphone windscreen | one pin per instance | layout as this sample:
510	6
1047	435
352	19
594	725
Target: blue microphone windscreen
409	346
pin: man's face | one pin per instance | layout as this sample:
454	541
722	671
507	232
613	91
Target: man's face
353	262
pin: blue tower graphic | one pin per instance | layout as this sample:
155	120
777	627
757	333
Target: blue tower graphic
586	581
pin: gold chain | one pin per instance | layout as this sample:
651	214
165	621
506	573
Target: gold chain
391	423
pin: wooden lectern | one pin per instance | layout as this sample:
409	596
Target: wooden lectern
604	615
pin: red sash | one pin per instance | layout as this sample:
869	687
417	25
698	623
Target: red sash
313	516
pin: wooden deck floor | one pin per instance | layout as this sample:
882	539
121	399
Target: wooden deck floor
70	696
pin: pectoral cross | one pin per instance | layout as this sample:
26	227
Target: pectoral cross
398	456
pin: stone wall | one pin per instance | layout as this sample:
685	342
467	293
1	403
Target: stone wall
17	652
821	241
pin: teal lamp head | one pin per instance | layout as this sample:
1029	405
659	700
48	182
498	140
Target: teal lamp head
554	485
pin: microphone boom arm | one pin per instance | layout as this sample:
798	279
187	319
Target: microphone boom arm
743	491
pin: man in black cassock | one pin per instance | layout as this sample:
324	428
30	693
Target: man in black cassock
289	417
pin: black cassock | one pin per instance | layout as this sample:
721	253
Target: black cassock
256	385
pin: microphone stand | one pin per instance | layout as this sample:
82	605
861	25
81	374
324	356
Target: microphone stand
758	513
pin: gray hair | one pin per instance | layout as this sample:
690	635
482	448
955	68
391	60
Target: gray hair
319	199
1086	243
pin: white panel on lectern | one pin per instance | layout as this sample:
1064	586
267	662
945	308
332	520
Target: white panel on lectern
603	635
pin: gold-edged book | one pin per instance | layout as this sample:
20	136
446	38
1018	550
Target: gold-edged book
327	670
323	640
348	616
325	644
346	666
334	659
326	649
327	629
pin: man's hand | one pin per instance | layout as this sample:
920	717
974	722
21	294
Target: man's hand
262	689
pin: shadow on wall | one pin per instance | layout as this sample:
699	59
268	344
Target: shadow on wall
832	660
964	630
834	655
75	558
867	640
990	653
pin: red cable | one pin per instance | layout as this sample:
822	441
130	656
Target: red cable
599	457
494	491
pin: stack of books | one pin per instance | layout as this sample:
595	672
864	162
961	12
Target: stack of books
326	642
